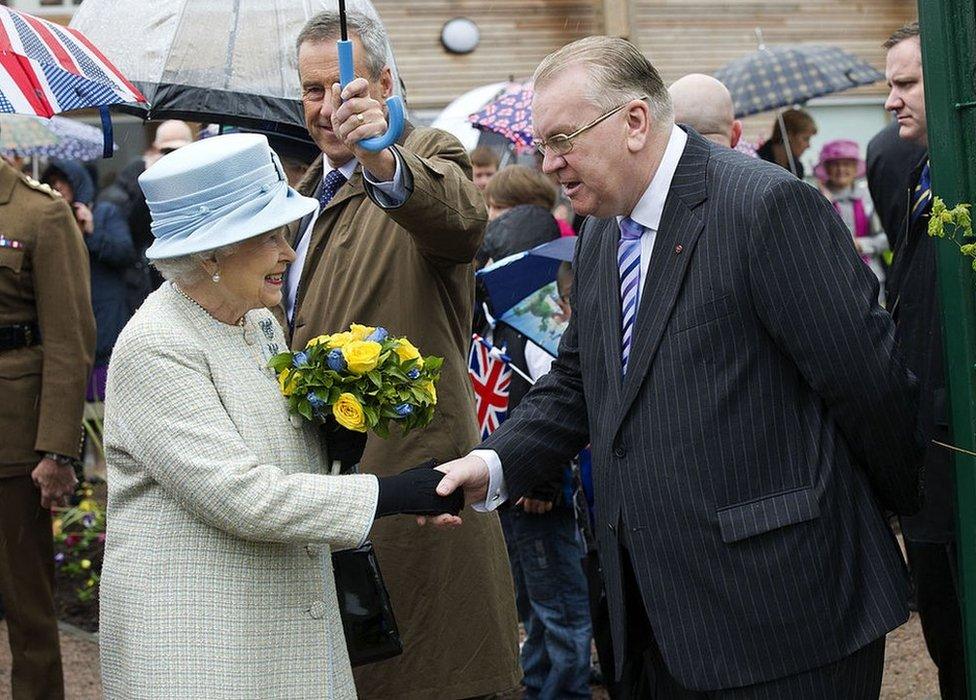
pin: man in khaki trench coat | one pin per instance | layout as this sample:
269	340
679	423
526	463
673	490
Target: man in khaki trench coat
47	341
401	259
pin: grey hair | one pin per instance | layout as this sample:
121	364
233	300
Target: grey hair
618	72
325	26
188	269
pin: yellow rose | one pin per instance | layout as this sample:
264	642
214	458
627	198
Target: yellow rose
339	340
405	350
348	413
431	391
361	355
318	340
87	506
287	385
361	332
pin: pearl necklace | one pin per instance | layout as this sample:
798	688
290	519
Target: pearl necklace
240	321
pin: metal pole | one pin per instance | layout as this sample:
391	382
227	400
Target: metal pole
947	56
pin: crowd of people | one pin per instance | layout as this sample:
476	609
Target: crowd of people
752	366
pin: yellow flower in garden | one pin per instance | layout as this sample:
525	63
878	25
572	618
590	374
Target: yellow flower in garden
405	350
361	355
90	583
319	339
287	385
85	564
431	391
361	332
87	506
340	340
348	413
56	525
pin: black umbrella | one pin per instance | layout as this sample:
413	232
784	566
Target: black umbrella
780	76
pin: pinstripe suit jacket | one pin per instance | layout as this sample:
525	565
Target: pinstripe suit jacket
762	378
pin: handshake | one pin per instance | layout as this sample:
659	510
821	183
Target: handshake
431	490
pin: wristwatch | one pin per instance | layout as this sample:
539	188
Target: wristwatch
62	460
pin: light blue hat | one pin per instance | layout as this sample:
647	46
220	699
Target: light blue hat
218	191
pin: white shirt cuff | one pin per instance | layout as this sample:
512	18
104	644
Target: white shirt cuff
391	194
497	491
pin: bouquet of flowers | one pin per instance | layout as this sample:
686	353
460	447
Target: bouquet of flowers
363	378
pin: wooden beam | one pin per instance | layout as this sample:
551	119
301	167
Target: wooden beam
617	18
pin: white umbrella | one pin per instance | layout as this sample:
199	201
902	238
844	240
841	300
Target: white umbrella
227	61
454	117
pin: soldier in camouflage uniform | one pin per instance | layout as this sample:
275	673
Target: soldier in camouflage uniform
47	340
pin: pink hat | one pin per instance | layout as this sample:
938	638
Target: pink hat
839	149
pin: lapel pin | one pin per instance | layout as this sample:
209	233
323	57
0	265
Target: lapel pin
678	248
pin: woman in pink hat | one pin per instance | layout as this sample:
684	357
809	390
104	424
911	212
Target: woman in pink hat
841	175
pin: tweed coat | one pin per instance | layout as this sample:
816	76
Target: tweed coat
217	578
410	270
44	280
732	460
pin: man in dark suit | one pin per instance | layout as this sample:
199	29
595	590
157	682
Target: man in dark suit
930	536
729	363
888	178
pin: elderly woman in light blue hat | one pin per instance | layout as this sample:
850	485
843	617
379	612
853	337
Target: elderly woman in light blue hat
217	579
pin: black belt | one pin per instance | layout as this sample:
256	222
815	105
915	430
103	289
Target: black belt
19	335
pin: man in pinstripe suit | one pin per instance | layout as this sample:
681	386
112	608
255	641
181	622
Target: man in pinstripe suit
736	403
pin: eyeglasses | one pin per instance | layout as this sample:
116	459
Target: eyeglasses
561	144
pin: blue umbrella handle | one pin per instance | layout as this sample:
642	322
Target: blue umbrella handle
394	105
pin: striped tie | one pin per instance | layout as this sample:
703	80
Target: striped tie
628	261
922	195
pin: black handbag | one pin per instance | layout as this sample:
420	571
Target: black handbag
364	603
364	606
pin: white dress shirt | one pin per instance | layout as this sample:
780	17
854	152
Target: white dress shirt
394	194
647	213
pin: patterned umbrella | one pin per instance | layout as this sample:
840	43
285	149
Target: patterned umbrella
46	68
522	291
778	76
510	115
58	137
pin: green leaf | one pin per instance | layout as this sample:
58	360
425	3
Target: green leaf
305	408
280	361
374	377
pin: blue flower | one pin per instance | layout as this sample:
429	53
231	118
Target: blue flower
88	520
335	360
316	401
379	335
404	410
59	558
299	359
414	373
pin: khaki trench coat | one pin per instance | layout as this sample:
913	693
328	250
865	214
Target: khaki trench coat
409	270
44	280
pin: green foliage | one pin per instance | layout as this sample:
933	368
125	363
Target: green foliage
955	225
79	542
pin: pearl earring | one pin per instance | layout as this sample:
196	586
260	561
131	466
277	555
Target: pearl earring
215	277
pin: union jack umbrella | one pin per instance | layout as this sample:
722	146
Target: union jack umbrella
510	115
491	376
46	69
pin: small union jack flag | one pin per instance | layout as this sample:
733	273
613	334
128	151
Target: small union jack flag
490	377
46	69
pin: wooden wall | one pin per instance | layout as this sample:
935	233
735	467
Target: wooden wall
679	36
515	36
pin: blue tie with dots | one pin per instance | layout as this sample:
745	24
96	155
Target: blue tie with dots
333	181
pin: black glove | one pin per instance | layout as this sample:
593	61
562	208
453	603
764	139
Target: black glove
413	491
